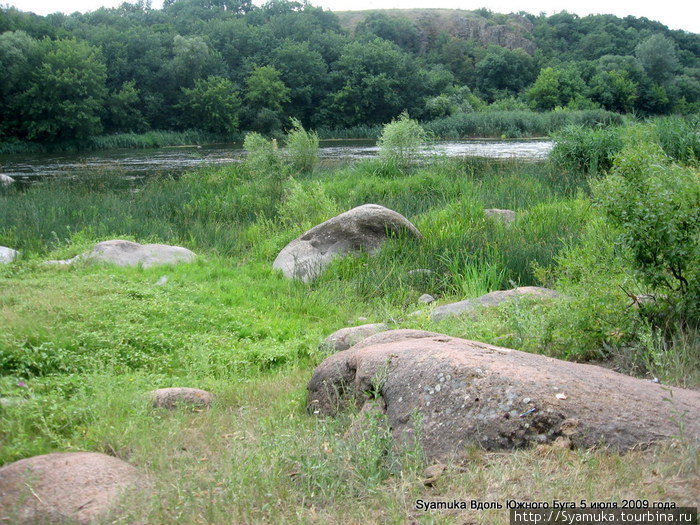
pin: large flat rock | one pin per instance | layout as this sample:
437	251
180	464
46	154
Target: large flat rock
465	392
363	228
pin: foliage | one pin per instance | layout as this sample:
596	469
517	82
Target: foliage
66	92
265	95
212	105
586	150
515	123
302	148
657	206
135	64
400	141
554	87
262	155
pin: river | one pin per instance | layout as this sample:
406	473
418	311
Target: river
133	163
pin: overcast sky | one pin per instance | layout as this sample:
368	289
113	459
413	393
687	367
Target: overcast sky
677	14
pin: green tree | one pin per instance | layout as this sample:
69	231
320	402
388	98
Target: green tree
614	90
66	93
657	207
555	87
305	73
400	141
265	95
503	73
122	109
658	57
18	54
377	81
212	105
266	90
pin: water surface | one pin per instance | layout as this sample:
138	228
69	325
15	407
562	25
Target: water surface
131	163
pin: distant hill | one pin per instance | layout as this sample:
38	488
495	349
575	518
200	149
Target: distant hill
511	31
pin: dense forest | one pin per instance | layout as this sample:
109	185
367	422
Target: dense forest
222	66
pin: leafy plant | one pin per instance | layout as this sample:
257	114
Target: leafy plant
302	147
657	206
401	140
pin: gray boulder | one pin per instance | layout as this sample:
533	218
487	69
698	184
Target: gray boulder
75	487
7	255
505	216
6	180
127	253
490	299
426	298
363	228
346	337
463	392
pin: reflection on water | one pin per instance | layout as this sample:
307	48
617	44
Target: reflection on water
142	163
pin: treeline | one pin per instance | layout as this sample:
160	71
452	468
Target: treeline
221	66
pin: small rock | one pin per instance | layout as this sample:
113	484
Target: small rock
420	271
560	396
505	216
426	298
432	473
173	397
12	401
490	299
562	442
346	337
162	281
127	253
7	255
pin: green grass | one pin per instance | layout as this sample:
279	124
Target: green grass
80	346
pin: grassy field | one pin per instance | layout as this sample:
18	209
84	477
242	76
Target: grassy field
81	346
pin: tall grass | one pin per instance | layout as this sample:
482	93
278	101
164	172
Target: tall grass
583	150
515	124
356	132
680	138
149	139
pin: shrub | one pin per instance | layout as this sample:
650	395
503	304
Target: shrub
586	150
401	140
262	154
657	206
302	147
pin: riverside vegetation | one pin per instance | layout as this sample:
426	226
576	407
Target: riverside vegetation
611	221
197	71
